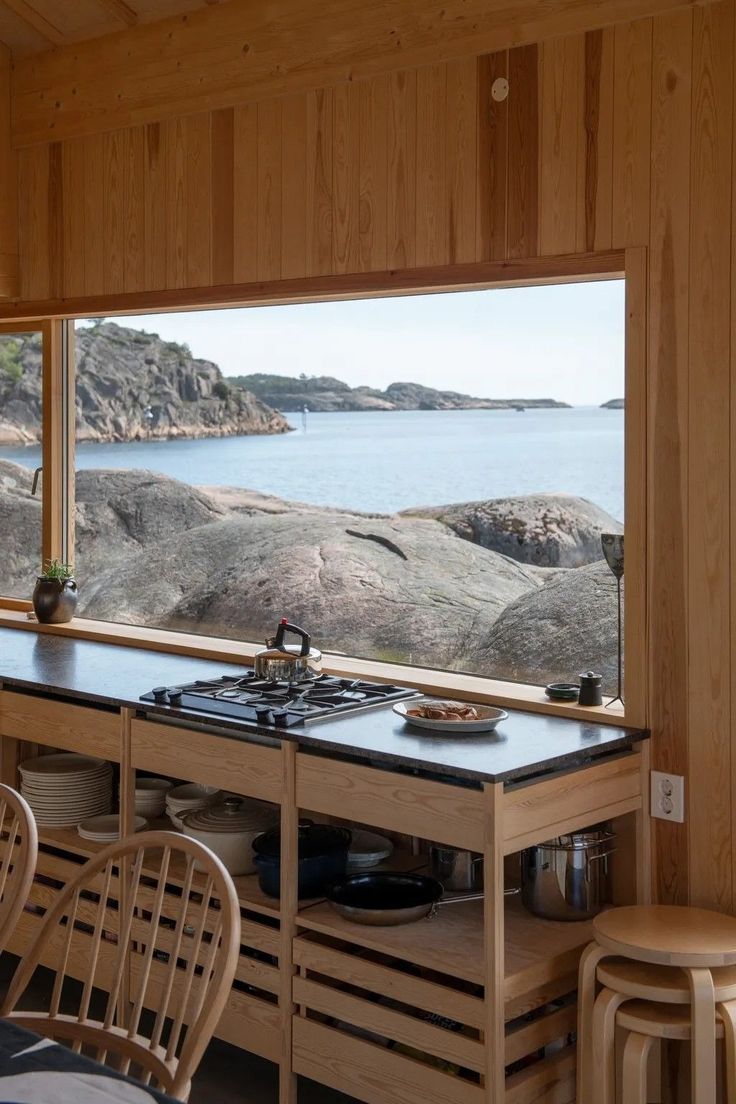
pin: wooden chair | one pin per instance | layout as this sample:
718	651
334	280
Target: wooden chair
18	855
154	943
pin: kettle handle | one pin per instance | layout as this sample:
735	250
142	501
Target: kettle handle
284	627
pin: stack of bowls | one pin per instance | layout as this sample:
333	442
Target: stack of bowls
187	798
150	796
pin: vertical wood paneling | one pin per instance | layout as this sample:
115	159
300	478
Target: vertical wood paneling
668	522
709	703
401	192
598	138
94	203
373	124
223	197
198	200
319	182
492	159
155	165
432	223
8	185
134	210
562	146
461	114
113	214
522	232
269	167
33	213
346	178
245	189
72	170
631	132
175	204
56	221
293	195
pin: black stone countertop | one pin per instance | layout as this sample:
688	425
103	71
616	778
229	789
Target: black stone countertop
526	745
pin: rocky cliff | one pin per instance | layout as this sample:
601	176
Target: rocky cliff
613	404
130	385
324	393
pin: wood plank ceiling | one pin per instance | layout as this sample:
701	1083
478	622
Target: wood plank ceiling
32	26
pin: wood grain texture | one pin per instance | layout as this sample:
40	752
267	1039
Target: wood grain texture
402	169
599	112
522	232
709	352
632	132
562	145
320	215
668	520
432	227
461	158
8	181
492	159
223	195
228	53
373	182
270	172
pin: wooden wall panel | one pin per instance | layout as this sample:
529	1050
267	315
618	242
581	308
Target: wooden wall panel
33	222
668	520
492	159
245	191
522	226
631	132
402	170
461	161
8	186
599	113
270	170
709	699
373	183
319	182
562	146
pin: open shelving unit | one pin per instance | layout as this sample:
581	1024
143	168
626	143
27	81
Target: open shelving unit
476	1004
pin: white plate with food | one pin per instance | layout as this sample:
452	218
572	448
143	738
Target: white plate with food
443	715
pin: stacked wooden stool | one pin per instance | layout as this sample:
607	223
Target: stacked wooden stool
656	972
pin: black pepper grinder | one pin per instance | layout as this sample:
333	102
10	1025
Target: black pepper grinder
591	689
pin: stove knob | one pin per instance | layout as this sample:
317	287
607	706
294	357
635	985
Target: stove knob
280	717
160	694
175	696
263	713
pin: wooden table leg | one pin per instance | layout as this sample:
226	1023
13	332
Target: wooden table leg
703	1051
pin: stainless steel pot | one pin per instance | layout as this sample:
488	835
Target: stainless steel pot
457	870
281	662
567	878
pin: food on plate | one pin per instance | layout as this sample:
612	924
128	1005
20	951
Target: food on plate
444	711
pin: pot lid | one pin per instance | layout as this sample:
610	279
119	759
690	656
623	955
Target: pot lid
314	840
234	814
579	841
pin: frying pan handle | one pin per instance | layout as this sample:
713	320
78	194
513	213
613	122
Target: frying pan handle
461	898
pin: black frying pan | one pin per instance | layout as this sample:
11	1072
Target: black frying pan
384	899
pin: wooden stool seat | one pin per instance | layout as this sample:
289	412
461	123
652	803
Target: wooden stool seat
660	1021
667	984
668	935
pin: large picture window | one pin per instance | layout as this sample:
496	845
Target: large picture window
422	479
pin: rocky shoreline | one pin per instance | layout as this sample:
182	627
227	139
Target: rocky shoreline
480	587
131	386
324	394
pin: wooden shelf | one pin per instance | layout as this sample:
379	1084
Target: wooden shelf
451	942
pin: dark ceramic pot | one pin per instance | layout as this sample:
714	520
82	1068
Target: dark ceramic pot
55	600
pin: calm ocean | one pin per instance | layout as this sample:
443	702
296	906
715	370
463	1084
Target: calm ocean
386	461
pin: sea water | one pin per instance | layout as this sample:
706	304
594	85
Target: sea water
383	461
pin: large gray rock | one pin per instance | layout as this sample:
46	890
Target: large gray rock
549	530
553	633
20	525
389	589
130	384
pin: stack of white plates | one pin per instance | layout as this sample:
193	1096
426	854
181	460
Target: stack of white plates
65	788
187	798
106	829
150	796
368	849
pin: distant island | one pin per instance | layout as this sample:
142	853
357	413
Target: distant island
326	394
613	404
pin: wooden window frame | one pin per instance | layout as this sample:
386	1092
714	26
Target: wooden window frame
56	321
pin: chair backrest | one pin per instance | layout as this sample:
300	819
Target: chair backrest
18	855
151	928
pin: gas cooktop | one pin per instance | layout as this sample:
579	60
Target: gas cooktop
277	704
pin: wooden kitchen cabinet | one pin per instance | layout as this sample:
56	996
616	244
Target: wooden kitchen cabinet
474	1005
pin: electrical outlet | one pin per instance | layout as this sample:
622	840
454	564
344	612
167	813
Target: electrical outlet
667	796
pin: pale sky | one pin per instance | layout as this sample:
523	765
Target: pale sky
563	342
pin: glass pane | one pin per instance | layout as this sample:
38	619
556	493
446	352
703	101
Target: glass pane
21	377
243	465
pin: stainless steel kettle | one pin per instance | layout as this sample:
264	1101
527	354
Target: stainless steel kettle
281	662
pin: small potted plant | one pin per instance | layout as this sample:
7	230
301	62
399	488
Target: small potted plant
55	594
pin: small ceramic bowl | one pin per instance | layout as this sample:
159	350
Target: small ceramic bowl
562	691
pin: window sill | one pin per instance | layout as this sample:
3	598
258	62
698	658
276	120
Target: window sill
513	695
